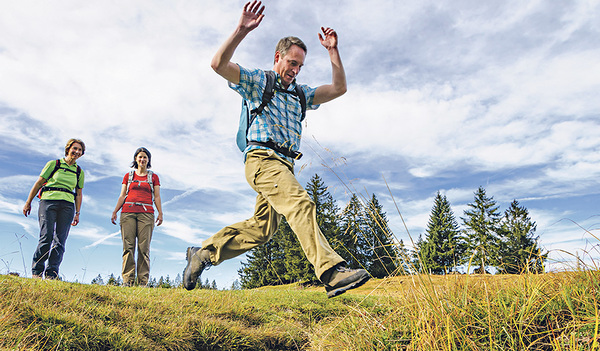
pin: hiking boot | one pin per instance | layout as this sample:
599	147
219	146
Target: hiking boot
197	260
340	279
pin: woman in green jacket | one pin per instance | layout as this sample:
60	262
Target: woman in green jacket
60	186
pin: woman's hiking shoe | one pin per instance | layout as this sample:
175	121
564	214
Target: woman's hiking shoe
341	279
197	261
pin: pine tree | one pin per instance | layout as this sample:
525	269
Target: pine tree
404	263
112	280
327	210
520	252
352	243
297	267
178	281
264	266
167	283
235	285
482	226
442	248
98	280
416	255
382	256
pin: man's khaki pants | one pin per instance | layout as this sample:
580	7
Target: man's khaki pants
136	226
279	193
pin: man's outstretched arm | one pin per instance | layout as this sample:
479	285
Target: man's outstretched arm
221	62
338	87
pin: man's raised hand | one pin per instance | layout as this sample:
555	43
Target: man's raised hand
329	39
252	15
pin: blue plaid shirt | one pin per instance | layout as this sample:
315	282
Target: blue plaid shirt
280	121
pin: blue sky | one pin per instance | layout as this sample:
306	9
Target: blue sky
442	96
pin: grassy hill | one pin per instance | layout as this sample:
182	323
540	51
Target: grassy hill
458	312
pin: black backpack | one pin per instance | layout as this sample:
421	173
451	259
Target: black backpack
247	116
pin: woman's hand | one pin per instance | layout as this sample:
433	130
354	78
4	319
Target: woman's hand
75	219
27	209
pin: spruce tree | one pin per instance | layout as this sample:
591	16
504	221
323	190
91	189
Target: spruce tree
352	243
98	280
416	255
297	267
482	225
264	266
519	252
178	281
235	285
443	247
382	257
327	210
327	216
112	280
404	264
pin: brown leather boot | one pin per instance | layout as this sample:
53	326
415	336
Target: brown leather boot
197	260
340	279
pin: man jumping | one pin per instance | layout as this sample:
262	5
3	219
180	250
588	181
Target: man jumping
273	140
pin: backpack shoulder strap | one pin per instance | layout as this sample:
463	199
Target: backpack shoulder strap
129	180
248	116
149	178
302	99
267	96
78	174
56	167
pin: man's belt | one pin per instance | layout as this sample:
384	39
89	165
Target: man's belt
296	155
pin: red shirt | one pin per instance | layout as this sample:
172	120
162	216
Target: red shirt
139	192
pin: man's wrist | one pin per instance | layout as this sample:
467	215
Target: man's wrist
241	32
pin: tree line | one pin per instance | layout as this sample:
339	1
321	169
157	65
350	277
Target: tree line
163	283
488	239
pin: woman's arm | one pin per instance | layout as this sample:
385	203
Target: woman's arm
78	201
157	201
32	193
120	202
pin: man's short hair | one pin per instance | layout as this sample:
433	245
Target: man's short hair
286	43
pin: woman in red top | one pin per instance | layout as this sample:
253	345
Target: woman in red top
140	188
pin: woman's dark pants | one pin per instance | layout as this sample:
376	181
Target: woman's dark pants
55	217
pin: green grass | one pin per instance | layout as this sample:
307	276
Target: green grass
455	312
